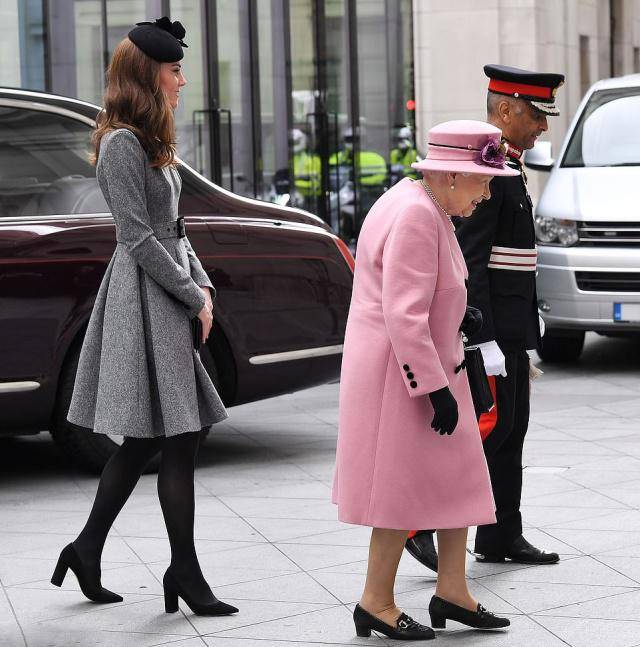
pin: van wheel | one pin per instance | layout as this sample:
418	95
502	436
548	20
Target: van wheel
561	345
87	450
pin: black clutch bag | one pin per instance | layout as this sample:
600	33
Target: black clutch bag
196	333
478	382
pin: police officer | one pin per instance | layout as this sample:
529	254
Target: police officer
402	156
372	169
307	170
499	246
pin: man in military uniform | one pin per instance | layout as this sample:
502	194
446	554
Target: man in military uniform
499	246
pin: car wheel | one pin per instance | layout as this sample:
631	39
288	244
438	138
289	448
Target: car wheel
86	449
561	345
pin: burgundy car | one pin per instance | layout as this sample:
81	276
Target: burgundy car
283	278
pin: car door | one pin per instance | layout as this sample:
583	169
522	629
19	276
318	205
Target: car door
48	264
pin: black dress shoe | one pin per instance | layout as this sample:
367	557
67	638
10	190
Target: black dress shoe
173	589
88	578
522	552
440	611
406	628
421	546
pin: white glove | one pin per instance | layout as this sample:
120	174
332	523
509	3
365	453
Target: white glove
494	361
542	325
534	371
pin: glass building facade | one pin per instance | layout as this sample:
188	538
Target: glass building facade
305	100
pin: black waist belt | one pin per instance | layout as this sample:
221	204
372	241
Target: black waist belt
171	229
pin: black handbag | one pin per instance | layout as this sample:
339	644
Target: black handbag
478	382
196	333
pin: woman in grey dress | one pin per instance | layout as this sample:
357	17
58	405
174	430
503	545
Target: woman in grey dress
139	375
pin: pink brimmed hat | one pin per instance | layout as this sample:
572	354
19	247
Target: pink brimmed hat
466	146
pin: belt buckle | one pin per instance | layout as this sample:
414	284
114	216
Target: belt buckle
181	227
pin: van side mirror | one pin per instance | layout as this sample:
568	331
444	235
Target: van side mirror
539	157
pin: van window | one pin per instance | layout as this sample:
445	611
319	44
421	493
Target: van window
44	165
608	132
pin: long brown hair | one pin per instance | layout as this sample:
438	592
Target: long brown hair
133	99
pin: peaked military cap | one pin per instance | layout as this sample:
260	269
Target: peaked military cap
538	88
161	40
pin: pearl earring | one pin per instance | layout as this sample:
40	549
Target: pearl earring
453	186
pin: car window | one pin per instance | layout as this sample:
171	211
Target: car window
44	165
608	132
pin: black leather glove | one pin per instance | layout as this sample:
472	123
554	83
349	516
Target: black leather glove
471	322
446	411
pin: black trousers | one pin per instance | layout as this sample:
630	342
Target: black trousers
503	450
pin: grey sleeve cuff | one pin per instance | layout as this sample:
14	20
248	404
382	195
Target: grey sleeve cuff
199	275
196	305
159	265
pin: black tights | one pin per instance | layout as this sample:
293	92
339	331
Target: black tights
176	494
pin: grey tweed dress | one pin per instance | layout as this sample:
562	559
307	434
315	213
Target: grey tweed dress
138	373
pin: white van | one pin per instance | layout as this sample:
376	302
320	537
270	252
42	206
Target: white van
588	222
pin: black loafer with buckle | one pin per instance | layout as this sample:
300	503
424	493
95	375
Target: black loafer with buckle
406	628
440	611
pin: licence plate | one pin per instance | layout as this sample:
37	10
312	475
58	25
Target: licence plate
626	312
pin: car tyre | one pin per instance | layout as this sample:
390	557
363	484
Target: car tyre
88	450
559	346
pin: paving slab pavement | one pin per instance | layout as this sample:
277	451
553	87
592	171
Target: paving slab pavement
269	541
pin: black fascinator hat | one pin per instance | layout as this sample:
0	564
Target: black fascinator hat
161	40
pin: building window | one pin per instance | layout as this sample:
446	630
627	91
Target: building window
585	76
75	48
636	60
308	102
22	43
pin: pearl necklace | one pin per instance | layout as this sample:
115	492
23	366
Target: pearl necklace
435	201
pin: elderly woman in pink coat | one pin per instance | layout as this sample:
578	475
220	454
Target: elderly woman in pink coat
409	450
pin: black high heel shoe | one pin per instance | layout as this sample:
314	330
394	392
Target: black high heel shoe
89	581
440	611
173	589
406	628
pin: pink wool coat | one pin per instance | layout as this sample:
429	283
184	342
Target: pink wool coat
402	342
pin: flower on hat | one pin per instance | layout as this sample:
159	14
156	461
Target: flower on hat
494	154
174	28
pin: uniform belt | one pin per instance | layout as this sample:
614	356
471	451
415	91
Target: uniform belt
170	229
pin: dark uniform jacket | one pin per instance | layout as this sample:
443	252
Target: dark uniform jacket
499	246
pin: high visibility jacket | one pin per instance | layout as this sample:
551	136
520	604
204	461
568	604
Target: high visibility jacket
404	158
372	167
307	170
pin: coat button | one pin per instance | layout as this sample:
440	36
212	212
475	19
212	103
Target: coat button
413	384
406	367
410	376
